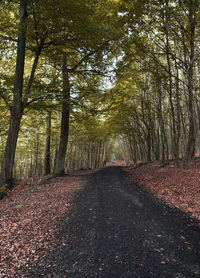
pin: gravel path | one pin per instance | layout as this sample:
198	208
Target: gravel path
117	229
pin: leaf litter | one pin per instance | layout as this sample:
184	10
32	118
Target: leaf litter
178	186
28	218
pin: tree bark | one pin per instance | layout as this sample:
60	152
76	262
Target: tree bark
34	67
47	156
178	107
175	150
190	151
59	168
163	136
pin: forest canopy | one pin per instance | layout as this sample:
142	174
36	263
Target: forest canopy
84	82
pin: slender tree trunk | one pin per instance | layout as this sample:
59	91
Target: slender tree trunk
174	134
59	168
33	70
190	151
88	156
178	108
148	142
47	156
161	123
9	154
30	171
17	107
36	154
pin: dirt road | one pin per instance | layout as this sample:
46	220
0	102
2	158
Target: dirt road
117	229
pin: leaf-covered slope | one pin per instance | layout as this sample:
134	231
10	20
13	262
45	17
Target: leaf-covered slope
177	186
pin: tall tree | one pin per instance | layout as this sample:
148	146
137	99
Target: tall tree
17	106
47	156
59	167
192	11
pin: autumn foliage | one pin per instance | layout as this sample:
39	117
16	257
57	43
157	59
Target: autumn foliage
177	186
29	216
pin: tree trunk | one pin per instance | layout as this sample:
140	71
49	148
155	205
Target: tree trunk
161	123
47	156
178	107
17	108
190	151
59	168
148	142
173	129
9	154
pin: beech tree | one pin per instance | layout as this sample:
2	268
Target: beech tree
17	106
47	157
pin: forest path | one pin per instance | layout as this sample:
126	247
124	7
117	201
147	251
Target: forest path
117	229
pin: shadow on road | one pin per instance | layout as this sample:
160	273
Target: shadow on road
118	229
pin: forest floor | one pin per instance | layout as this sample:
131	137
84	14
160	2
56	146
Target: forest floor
96	224
178	186
29	215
